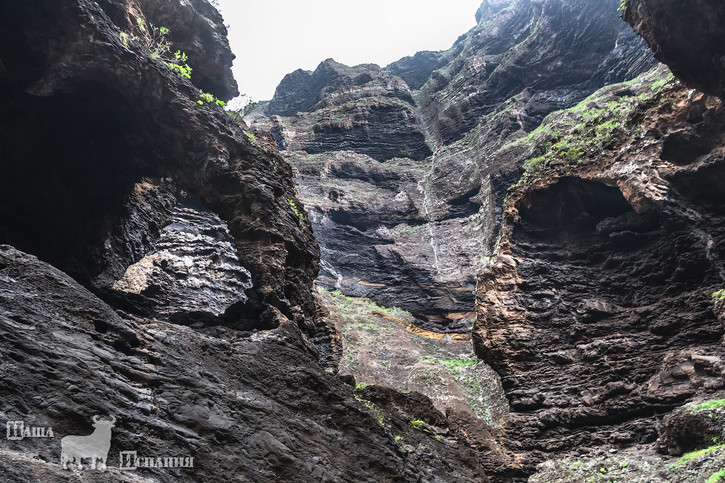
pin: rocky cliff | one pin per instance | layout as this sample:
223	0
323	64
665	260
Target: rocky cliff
601	308
596	229
156	267
398	166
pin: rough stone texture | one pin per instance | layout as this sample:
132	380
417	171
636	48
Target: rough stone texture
195	27
193	265
635	465
415	233
559	51
597	310
687	36
375	240
247	406
70	168
347	108
689	428
383	346
109	162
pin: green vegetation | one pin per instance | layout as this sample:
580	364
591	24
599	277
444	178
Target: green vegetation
377	412
714	404
179	65
357	306
658	85
416	423
155	40
589	128
716	477
453	364
699	453
622	5
719	294
209	98
301	215
251	137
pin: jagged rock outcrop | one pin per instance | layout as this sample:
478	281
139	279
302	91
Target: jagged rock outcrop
699	424
556	51
340	108
249	406
597	310
688	37
193	265
195	28
135	206
74	177
413	232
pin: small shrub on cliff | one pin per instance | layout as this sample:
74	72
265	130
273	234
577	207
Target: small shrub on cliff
714	404
717	477
301	215
155	40
209	98
699	453
416	423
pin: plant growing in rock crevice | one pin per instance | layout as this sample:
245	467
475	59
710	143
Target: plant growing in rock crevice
155	40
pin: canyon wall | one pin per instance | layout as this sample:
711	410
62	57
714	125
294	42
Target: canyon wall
401	168
157	265
601	307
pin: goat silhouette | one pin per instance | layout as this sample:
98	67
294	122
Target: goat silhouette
94	446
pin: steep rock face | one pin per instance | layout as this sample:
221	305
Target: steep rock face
74	176
414	233
558	51
688	37
192	266
597	310
338	108
195	27
155	209
245	406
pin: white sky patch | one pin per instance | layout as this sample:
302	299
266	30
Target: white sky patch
272	38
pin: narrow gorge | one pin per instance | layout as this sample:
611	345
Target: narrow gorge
500	262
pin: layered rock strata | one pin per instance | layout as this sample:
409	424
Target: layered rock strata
397	165
598	309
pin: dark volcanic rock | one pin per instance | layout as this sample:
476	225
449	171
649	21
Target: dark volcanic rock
597	311
416	70
559	50
247	407
192	268
347	108
195	27
687	36
88	117
692	426
416	238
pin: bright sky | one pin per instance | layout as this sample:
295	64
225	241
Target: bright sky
272	38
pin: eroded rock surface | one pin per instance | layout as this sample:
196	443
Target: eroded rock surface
74	177
688	37
597	311
250	406
191	269
416	231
